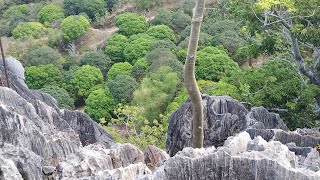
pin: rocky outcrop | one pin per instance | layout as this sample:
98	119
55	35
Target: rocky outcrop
225	117
240	158
154	157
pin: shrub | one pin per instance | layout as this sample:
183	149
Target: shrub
61	95
28	29
43	55
73	27
162	32
130	24
100	104
116	69
115	47
50	13
122	88
38	77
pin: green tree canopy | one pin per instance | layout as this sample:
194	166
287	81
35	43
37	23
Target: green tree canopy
92	8
73	27
100	104
122	88
137	48
43	55
61	95
97	59
38	77
83	80
115	47
213	63
176	20
155	93
162	32
28	29
164	57
116	69
12	16
50	13
139	69
276	86
130	24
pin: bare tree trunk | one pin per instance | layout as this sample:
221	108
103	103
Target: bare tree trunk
189	76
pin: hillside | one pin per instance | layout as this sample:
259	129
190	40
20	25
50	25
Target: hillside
106	77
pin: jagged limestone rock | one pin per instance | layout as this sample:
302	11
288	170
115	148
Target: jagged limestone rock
225	117
93	160
234	161
154	156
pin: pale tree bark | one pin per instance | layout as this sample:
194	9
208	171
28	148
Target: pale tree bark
189	75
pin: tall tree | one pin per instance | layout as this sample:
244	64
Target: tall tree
189	75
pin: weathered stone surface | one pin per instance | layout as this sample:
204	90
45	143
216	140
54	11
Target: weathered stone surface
234	161
154	156
93	160
225	117
33	131
89	132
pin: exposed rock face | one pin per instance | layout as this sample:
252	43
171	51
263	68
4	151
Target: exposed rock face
154	156
93	160
224	117
240	158
40	141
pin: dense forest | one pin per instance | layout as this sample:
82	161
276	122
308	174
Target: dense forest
122	60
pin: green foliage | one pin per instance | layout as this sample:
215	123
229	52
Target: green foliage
164	57
69	62
137	48
182	55
50	13
83	80
99	104
28	29
204	40
247	52
276	85
163	44
139	69
221	88
43	55
180	21
111	4
156	92
162	32
97	59
61	95
73	7
213	63
12	17
73	27
138	130
130	24
94	8
38	77
122	88
115	47
230	40
116	69
177	20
